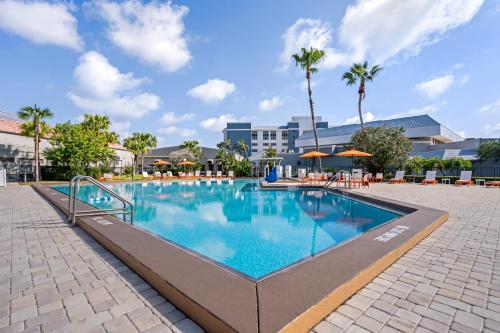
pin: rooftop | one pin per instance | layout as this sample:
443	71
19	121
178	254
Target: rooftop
405	122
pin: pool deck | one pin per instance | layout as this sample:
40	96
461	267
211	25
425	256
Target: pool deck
54	277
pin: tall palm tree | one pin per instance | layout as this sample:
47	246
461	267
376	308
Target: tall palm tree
140	144
36	127
101	125
360	72
242	147
307	61
194	147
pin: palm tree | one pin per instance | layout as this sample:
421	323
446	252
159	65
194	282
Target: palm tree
194	147
225	145
35	126
242	147
360	72
307	61
140	144
100	125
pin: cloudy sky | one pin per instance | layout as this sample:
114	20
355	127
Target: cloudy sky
182	69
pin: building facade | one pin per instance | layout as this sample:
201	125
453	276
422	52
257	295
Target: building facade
282	138
17	152
422	130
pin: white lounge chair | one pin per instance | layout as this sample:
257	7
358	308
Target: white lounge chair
379	177
145	175
218	174
465	178
230	174
197	173
208	174
430	178
399	178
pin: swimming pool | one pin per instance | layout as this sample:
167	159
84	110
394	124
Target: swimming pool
250	231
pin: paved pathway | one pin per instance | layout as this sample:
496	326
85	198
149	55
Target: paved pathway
449	282
56	278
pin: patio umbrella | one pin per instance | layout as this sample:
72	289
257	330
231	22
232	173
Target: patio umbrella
352	153
161	163
186	163
314	154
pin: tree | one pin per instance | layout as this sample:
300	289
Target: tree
101	125
225	155
270	152
140	144
79	148
242	148
389	146
35	127
194	147
360	72
489	149
307	61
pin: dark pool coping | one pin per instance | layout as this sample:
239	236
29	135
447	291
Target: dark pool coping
293	299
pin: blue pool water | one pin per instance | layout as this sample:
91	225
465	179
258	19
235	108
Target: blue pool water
255	232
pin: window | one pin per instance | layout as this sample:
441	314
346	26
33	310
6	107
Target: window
254	150
284	144
284	135
266	144
265	135
273	144
255	135
254	144
273	135
283	150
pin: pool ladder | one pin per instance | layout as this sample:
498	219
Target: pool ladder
74	187
334	178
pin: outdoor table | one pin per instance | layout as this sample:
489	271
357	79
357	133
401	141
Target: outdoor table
479	181
446	181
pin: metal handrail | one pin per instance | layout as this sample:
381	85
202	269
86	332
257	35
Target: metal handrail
334	178
74	187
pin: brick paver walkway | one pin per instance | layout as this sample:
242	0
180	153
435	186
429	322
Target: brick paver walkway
450	282
56	278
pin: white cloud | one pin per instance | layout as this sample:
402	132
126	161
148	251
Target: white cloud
492	107
121	128
217	124
465	79
270	104
435	87
102	88
213	91
381	29
306	33
355	120
492	130
172	130
41	22
170	118
153	32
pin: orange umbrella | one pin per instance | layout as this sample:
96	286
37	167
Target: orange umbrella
161	162
186	163
314	154
352	153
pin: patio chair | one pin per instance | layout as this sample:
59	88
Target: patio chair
208	174
182	175
197	174
167	175
379	178
106	177
230	174
218	174
465	179
190	175
145	175
399	178
157	175
494	183
430	178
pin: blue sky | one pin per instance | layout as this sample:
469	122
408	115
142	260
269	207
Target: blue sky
181	69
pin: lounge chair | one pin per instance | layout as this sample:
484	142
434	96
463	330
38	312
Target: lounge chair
230	174
379	178
399	178
197	174
157	175
190	175
465	179
182	175
430	178
218	174
106	177
208	174
145	175
494	183
167	175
